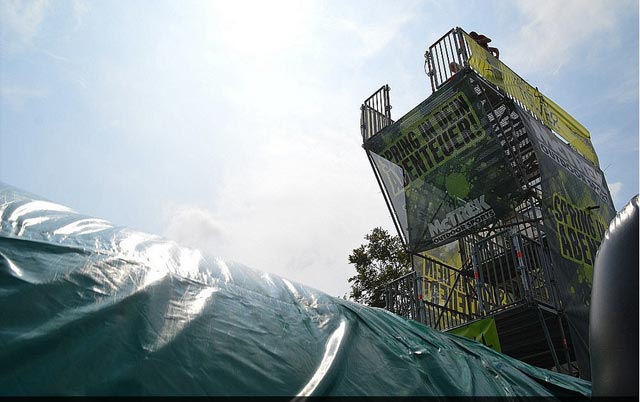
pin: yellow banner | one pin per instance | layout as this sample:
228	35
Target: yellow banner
439	281
552	115
443	286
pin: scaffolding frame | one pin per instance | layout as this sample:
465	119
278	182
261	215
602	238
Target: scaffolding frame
507	265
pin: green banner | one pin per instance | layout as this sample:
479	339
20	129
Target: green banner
443	166
483	331
577	210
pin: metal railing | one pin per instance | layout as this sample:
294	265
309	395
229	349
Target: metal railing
445	57
504	270
509	269
401	297
375	113
451	53
443	317
447	297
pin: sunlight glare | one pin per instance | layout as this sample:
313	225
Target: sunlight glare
260	27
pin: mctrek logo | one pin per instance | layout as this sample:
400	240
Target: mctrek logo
460	219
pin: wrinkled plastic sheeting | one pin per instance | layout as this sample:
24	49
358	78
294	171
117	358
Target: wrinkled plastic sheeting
89	308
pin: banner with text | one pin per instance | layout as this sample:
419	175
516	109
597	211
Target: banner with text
542	107
577	209
444	168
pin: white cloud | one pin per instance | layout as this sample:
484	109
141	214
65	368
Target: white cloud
194	227
16	97
21	20
259	28
624	89
296	208
372	36
80	9
297	192
556	30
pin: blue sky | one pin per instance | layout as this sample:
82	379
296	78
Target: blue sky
234	126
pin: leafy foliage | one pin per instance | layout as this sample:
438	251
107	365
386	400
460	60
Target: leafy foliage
378	262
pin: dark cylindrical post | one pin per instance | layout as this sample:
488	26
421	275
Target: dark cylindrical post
613	327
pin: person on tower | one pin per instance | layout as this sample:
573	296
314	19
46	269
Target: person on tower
484	42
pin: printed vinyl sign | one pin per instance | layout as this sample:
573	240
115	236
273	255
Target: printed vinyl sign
553	116
577	210
443	167
461	219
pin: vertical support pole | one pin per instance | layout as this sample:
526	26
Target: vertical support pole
417	291
565	346
464	250
478	281
549	342
387	298
430	70
463	57
387	102
520	267
417	299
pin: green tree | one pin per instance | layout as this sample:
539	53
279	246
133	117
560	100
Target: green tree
378	262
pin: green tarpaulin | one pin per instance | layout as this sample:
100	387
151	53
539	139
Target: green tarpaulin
89	308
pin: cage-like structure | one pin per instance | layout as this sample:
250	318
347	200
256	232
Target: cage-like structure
497	194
